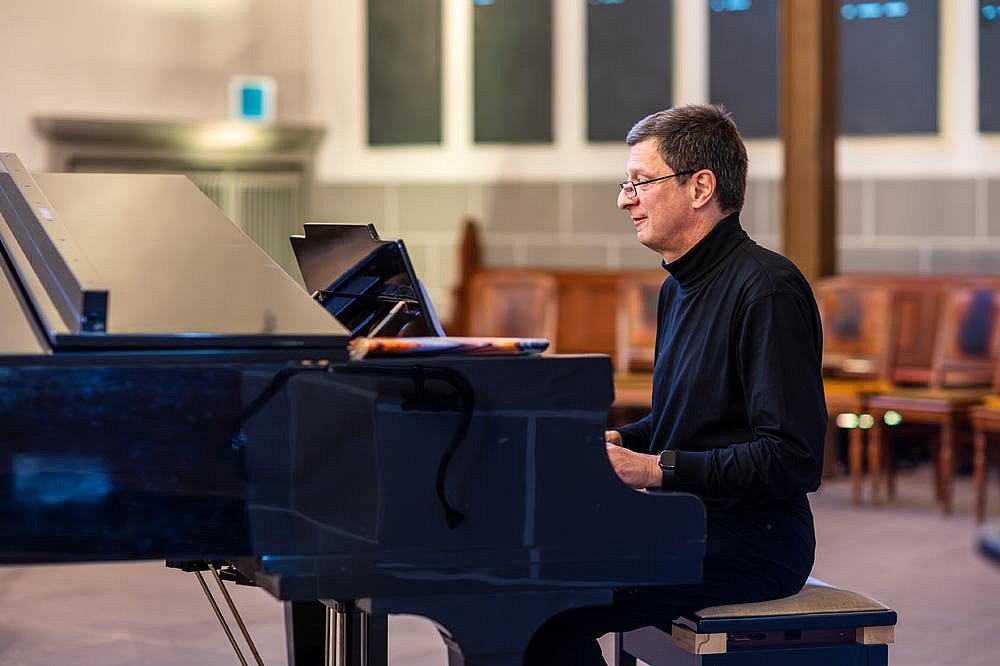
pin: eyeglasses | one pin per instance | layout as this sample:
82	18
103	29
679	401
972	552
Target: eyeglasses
628	187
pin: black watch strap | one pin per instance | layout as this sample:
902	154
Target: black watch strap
668	465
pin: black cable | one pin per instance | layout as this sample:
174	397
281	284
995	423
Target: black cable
462	401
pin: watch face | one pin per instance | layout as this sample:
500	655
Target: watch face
668	459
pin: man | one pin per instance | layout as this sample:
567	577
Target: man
738	413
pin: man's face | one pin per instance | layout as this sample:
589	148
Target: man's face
659	210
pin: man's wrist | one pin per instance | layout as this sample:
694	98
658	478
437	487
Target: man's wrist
655	473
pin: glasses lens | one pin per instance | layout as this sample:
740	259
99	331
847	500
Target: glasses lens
628	188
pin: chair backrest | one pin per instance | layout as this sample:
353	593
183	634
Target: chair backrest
857	334
520	304
881	326
915	328
635	330
996	358
965	352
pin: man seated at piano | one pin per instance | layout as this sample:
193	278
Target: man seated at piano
738	413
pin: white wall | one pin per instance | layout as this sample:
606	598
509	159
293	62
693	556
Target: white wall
338	81
147	59
171	59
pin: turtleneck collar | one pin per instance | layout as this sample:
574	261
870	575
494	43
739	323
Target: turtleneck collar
701	259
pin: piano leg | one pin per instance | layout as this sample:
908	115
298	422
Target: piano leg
305	627
622	658
335	633
376	638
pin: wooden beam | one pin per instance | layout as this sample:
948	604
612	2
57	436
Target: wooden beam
809	104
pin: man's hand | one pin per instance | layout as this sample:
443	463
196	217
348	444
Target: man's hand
613	436
637	470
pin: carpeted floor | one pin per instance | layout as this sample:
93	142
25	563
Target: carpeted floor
905	554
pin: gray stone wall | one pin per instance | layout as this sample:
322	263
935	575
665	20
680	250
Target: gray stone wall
944	226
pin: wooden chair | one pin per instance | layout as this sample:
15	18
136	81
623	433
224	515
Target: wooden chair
878	331
916	317
856	336
985	421
959	377
519	304
635	332
856	356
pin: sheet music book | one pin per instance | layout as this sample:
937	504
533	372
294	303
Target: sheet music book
384	347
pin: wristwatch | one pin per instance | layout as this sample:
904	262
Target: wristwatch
668	464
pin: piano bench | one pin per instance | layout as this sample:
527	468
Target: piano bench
821	626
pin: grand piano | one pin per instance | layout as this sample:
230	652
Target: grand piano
168	392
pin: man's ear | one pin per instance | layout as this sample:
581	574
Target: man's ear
703	185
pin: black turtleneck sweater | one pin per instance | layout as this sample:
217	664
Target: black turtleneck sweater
737	390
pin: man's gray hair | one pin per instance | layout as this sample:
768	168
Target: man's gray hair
699	136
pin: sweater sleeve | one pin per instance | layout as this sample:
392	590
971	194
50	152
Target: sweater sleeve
779	348
636	436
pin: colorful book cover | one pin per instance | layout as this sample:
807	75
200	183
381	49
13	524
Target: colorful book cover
427	346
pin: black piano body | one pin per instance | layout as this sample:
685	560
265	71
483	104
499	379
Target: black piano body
168	392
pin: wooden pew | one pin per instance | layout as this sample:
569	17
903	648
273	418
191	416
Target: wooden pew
514	304
587	301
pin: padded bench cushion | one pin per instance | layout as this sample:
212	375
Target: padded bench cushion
814	598
817	605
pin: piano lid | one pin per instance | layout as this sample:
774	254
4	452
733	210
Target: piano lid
367	283
19	335
145	261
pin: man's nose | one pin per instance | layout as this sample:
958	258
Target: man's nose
623	201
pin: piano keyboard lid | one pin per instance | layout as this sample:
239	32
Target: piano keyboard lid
106	261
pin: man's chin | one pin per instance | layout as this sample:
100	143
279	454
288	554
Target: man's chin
650	246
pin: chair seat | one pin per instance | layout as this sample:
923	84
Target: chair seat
925	398
986	412
839	386
992	401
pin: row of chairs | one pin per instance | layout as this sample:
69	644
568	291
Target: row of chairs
918	350
913	348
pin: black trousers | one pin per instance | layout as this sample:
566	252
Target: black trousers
750	556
